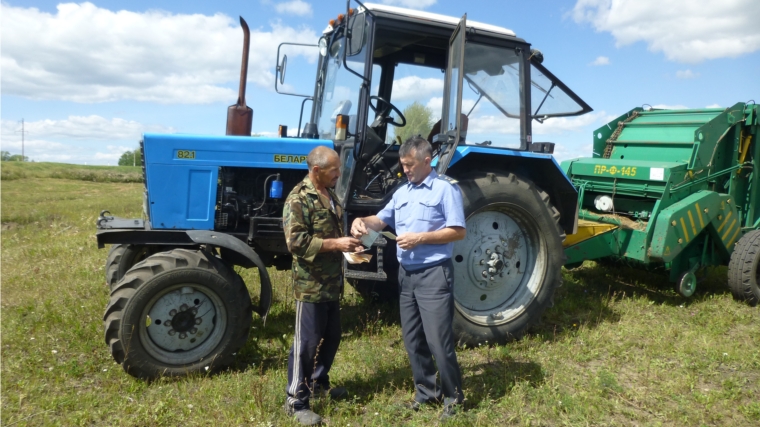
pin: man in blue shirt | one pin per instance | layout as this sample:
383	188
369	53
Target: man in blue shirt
428	217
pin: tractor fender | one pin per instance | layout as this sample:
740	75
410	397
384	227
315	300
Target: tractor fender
541	169
206	237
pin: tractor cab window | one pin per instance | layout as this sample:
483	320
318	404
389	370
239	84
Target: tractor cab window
417	91
550	97
491	96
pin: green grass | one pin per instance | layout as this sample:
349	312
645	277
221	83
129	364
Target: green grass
10	171
618	348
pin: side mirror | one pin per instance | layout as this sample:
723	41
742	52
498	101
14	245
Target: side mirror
306	56
356	42
281	68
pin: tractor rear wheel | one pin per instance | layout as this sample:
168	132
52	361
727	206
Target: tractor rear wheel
122	257
508	266
744	268
177	313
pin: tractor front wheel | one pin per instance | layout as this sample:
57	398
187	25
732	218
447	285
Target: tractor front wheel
508	266
744	268
121	258
177	313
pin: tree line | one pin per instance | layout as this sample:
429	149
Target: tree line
6	156
131	158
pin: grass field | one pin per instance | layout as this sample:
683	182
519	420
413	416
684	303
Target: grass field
619	347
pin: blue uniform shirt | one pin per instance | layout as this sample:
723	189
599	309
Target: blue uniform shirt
432	205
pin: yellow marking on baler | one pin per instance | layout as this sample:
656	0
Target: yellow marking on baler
724	222
728	230
733	238
691	219
699	215
685	233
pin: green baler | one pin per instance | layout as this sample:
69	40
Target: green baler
673	188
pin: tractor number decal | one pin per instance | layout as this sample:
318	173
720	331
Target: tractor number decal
614	170
289	158
186	154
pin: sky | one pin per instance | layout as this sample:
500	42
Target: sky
89	78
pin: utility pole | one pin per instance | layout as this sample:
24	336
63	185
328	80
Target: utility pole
22	139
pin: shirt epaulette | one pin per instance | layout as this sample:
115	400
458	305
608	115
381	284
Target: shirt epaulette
448	179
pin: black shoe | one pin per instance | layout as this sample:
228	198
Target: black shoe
449	411
335	393
412	406
304	417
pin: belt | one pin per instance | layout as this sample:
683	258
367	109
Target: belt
418	268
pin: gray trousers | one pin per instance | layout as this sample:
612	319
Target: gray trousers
427	311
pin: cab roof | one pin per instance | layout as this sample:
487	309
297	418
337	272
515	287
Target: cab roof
435	19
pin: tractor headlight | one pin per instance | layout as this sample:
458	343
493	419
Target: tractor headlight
323	46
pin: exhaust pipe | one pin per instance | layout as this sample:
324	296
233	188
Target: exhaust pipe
240	116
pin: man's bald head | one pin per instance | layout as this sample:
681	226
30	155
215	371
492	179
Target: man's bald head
321	156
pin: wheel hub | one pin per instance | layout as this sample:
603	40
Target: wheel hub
181	319
490	264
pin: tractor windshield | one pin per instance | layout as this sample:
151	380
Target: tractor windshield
337	87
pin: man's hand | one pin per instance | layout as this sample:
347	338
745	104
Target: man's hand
358	228
409	240
347	244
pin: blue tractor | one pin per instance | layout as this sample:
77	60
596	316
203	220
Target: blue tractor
177	306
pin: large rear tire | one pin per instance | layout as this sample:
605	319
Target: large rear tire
507	268
744	268
177	313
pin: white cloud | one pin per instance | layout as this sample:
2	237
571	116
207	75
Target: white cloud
686	74
684	30
113	153
77	139
436	105
85	128
601	60
492	125
411	4
564	151
84	53
414	88
294	7
563	125
552	126
713	106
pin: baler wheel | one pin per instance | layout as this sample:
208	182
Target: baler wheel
510	263
686	284
177	313
744	269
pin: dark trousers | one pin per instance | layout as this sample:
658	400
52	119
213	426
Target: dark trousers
427	311
316	341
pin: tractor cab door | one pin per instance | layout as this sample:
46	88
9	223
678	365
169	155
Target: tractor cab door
451	116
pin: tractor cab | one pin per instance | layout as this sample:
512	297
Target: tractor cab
387	73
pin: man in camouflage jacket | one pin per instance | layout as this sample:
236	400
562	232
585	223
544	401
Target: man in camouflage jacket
314	234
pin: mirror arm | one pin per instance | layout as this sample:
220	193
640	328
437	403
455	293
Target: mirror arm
300	117
278	67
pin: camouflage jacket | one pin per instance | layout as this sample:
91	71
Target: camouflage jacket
307	220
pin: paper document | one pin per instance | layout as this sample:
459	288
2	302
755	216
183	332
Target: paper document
357	257
369	239
389	235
